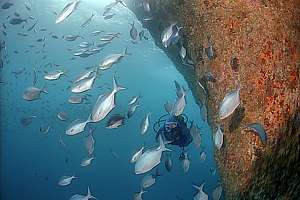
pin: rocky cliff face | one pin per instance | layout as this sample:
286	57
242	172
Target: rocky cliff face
256	44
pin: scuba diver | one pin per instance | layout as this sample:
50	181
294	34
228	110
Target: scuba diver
173	130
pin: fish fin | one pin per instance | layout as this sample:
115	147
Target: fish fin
116	86
89	118
143	191
121	2
200	188
89	194
196	186
65	71
125	52
44	90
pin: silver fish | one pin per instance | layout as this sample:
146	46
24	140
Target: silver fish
210	52
71	37
90	144
216	195
111	59
16	21
230	102
170	35
115	121
186	163
103	44
133	100
132	110
67	11
76	99
33	93
45	130
53	75
23	34
218	138
203	155
95	33
83	197
63	116
200	195
150	158
195	133
66	180
30	28
110	6
136	155
85	44
168	163
149	179
146	6
259	130
25	121
133	32
6	5
107	38
105	103
145	124
179	105
168	107
76	127
138	195
83	54
109	16
202	87
84	84
86	161
84	24
84	75
179	90
182	52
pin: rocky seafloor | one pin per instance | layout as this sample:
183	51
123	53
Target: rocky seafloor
256	45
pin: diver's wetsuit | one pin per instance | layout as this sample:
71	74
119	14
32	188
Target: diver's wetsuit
175	131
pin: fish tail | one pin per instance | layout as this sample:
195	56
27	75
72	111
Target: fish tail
74	175
116	86
162	146
196	186
89	194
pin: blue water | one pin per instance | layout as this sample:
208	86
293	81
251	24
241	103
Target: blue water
32	163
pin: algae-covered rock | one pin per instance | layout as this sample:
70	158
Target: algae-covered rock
254	44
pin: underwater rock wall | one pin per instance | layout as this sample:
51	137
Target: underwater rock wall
256	44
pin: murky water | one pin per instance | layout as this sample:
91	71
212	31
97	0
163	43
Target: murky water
32	162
